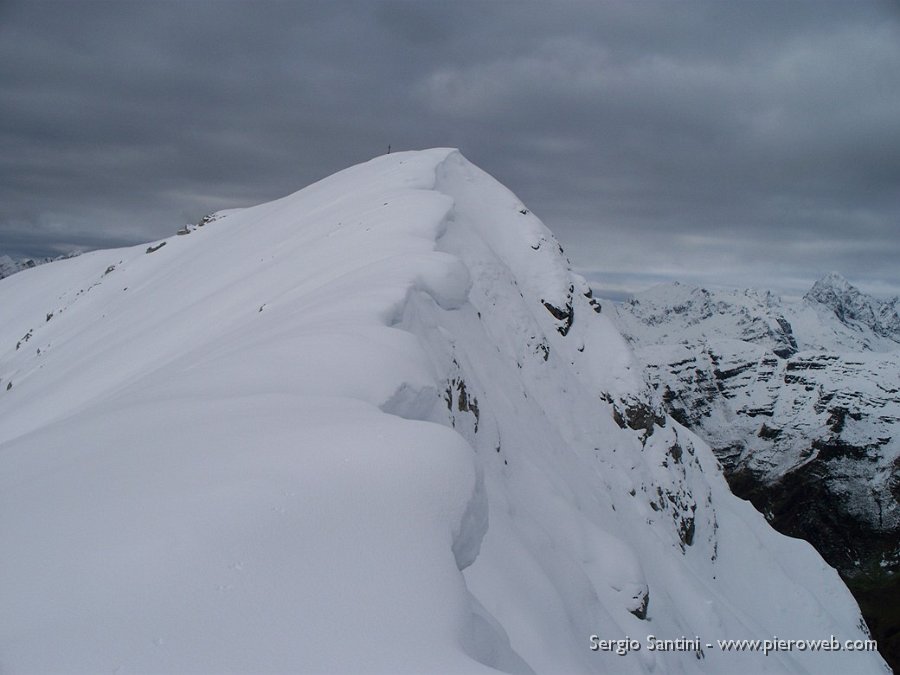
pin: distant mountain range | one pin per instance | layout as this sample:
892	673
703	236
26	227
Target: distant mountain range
800	401
9	266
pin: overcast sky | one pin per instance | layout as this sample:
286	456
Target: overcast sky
727	143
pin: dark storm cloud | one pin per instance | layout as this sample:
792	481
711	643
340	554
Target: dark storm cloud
744	143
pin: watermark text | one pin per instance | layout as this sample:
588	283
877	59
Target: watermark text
652	643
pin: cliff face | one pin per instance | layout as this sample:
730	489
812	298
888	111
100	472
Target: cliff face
375	426
801	410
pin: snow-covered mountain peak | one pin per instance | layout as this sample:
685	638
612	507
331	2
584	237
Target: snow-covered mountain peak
856	309
844	299
835	281
375	426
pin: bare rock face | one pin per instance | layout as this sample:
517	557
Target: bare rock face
804	418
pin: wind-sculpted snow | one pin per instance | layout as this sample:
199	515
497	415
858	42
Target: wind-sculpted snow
375	426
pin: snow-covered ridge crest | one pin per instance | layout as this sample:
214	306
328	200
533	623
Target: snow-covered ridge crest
374	426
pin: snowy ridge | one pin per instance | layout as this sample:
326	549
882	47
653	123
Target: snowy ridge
375	426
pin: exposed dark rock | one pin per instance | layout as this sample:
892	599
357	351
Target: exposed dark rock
456	392
787	334
755	412
642	602
686	530
732	372
639	416
566	315
836	448
592	301
836	419
675	452
24	338
894	482
818	363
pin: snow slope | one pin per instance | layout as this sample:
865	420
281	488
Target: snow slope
375	426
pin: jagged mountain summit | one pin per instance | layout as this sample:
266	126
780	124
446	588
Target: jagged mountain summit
855	309
801	403
375	426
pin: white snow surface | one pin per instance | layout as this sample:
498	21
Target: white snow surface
341	432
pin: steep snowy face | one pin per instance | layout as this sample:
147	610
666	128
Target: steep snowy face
811	437
375	426
856	309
